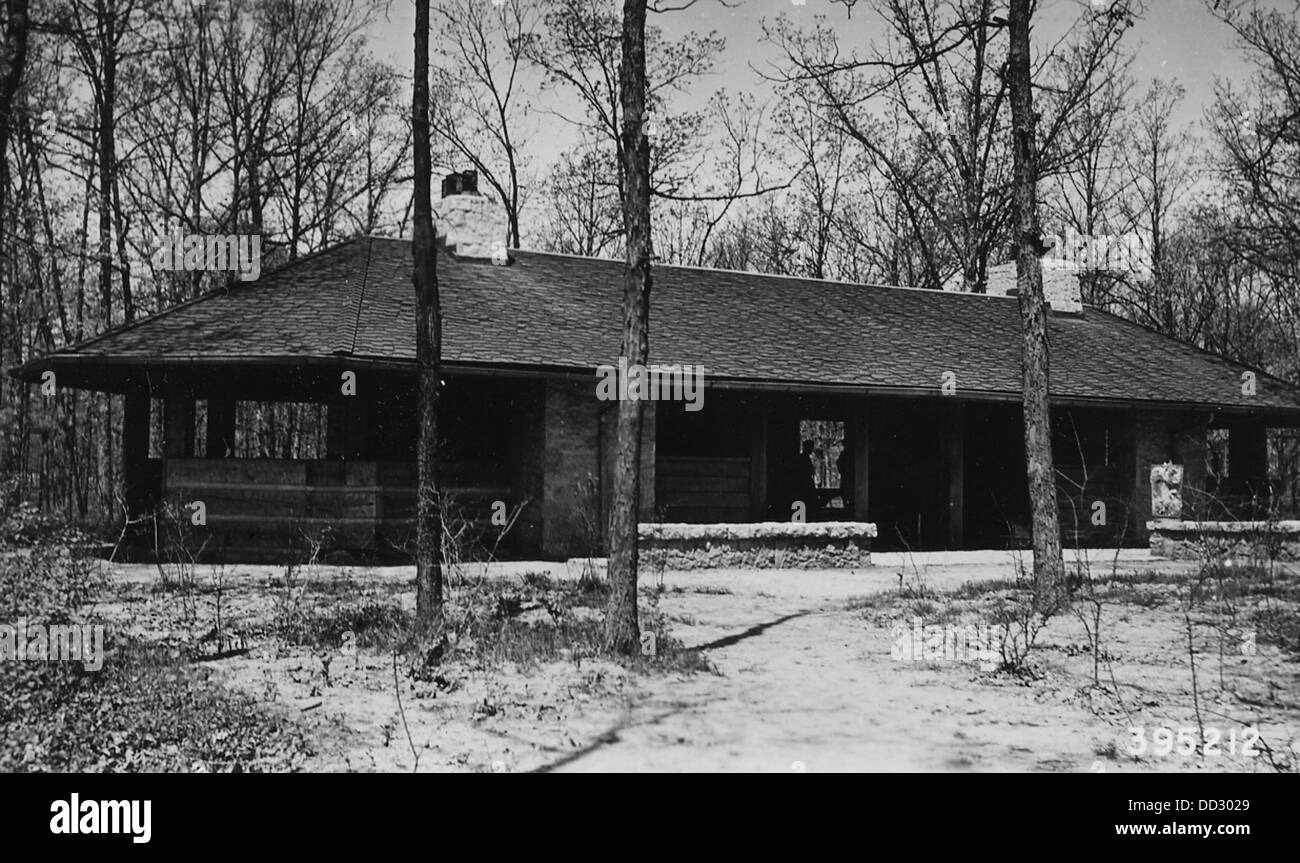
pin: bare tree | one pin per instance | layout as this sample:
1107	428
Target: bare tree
585	212
428	346
12	62
580	52
483	76
253	78
13	58
303	173
1158	164
929	114
1087	195
104	34
1049	570
622	630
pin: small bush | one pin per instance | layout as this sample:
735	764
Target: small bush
147	710
372	624
46	569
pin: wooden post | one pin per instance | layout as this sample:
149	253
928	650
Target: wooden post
135	451
955	451
221	427
758	463
336	430
861	465
178	426
649	438
358	422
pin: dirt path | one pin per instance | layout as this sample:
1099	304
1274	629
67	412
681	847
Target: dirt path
805	688
805	681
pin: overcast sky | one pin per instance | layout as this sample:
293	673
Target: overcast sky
1177	39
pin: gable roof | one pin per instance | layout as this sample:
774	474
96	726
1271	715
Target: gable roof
355	301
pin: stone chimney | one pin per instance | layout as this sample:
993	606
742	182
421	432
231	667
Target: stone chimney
1060	284
471	225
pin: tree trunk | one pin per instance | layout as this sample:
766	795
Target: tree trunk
622	632
1048	566
428	347
12	60
13	57
107	43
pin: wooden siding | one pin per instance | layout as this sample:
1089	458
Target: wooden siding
268	504
708	489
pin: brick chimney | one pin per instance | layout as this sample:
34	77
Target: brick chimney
469	224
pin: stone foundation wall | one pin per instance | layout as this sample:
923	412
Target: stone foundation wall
1202	540
763	545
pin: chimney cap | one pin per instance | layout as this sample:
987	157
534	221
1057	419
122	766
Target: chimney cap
460	183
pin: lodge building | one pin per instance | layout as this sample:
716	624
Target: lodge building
915	395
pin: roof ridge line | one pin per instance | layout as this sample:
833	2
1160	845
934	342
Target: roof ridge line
760	275
750	273
361	295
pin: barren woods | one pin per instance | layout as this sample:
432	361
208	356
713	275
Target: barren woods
577	385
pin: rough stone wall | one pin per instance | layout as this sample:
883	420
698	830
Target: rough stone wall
609	454
1173	436
1061	286
471	225
768	553
762	545
571	458
580	447
1211	540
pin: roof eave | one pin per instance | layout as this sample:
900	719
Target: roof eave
32	370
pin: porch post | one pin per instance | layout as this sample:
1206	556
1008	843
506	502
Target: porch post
861	468
649	436
178	425
221	427
362	435
758	462
336	415
954	434
350	424
135	451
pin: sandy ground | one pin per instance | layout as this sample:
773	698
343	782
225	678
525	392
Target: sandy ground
804	681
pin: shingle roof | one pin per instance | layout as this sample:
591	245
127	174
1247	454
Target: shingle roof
562	312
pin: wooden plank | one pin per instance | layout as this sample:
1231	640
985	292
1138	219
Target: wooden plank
254	500
704	485
675	466
251	524
734	500
705	515
182	471
402	474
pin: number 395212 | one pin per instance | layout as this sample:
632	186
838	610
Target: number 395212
1185	741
